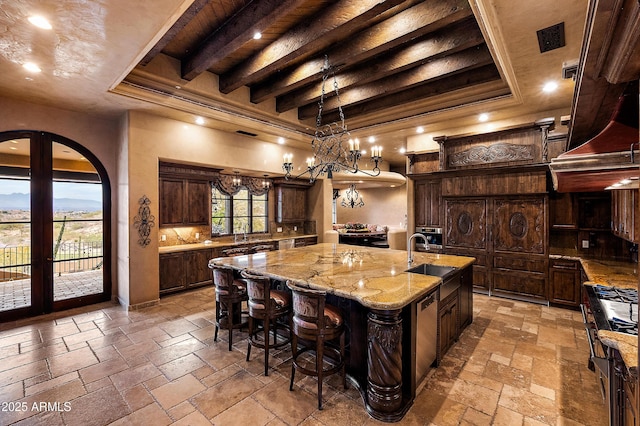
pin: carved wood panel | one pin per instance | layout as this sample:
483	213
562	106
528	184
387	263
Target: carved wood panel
466	223
519	225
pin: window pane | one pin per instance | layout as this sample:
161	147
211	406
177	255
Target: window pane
259	224
15	226
241	211
220	211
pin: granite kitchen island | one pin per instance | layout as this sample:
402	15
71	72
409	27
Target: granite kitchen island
378	299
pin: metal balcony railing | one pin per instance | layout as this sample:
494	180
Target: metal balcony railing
15	261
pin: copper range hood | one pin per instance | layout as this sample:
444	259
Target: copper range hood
607	158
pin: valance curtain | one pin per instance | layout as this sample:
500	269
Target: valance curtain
254	185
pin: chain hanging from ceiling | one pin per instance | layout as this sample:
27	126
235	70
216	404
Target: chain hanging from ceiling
333	148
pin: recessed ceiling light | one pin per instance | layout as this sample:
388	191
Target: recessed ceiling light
40	22
177	86
550	86
372	139
281	140
200	121
14	141
13	148
420	129
31	67
28	78
363	152
483	117
257	35
402	150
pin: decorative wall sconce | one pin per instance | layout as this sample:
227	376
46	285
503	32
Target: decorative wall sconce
144	221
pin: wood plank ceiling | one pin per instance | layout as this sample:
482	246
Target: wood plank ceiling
385	54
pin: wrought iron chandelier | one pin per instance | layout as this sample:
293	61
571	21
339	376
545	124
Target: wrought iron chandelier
333	148
352	198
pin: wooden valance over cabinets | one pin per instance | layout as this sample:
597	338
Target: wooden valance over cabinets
511	147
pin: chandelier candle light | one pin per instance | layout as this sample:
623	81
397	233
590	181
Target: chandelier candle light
333	148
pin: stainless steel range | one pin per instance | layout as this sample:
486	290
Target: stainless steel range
614	309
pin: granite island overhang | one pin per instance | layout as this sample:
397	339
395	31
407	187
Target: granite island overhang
378	298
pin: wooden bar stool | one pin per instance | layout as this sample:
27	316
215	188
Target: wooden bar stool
267	306
230	293
316	323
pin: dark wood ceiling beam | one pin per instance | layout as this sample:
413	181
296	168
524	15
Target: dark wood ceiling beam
411	23
337	22
236	32
434	70
182	22
440	44
484	74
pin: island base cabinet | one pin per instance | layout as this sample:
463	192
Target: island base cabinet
449	321
564	279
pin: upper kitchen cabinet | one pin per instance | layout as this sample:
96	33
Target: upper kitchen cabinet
625	217
185	194
291	200
428	199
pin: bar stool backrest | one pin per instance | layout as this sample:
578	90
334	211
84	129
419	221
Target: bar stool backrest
258	289
308	308
223	280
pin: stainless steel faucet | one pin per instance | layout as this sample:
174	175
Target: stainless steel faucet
411	238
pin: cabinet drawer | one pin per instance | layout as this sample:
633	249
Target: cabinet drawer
519	263
520	283
564	264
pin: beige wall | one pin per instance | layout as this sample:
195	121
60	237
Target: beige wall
383	206
152	138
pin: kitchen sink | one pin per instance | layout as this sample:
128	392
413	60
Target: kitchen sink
435	270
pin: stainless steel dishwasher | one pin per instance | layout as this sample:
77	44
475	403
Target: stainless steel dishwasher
426	334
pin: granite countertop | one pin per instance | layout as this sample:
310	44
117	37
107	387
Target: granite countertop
621	275
214	244
374	277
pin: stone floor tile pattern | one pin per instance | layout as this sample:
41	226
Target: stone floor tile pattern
517	364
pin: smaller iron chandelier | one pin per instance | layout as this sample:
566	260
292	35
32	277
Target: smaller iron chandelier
352	198
237	180
265	182
333	148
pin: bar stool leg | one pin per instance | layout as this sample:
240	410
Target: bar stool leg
319	368
250	334
294	351
266	324
215	334
230	322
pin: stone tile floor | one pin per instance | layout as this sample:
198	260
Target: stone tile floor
517	364
17	293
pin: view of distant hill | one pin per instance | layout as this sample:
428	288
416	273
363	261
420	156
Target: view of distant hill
17	201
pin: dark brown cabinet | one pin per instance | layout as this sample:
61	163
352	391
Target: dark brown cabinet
625	222
291	200
448	317
507	236
184	202
306	241
172	276
428	197
466	298
564	282
562	211
182	270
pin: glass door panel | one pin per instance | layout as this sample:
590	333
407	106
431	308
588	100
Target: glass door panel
77	226
15	225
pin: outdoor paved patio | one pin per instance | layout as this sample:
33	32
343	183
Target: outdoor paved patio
17	293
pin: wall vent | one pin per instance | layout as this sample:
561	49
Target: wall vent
242	132
551	38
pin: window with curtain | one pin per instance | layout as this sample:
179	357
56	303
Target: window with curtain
244	211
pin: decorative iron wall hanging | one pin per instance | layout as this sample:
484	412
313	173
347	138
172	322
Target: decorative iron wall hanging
144	221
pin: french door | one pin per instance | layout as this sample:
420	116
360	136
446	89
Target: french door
54	225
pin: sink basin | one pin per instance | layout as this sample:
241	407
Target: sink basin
429	269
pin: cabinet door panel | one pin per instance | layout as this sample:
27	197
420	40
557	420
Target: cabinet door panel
197	269
198	203
519	225
466	223
172	276
172	194
519	283
564	278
